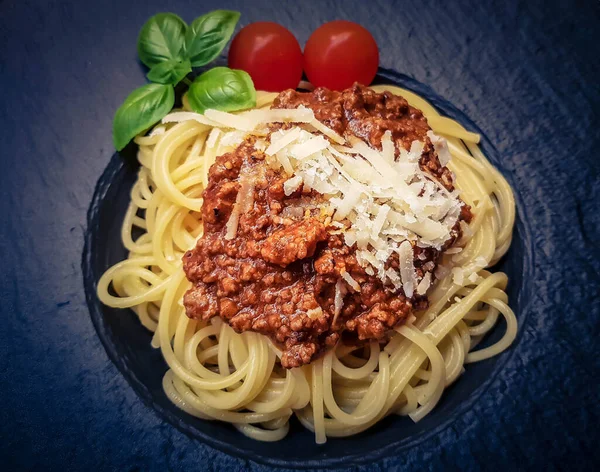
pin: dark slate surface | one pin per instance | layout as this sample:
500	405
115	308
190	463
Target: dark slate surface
525	72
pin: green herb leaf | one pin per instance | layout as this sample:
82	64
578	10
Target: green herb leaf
222	88
161	39
169	72
207	36
141	109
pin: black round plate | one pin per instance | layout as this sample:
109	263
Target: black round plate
128	342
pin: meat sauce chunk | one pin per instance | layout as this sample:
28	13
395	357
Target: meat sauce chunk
291	243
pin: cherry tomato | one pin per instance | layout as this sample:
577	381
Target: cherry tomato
270	54
340	53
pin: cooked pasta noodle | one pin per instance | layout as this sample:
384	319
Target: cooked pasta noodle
217	374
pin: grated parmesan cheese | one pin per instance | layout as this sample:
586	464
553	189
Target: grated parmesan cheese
280	139
424	284
285	162
309	147
458	276
260	145
380	200
179	116
243	203
338	301
232	138
283	115
291	185
350	281
344	205
380	220
230	120
407	268
387	147
393	276
327	131
481	262
441	147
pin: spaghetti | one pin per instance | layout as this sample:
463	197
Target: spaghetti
216	373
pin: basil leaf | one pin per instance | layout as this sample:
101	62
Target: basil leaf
161	39
141	109
169	72
207	36
222	88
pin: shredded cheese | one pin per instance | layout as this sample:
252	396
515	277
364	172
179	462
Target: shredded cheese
285	162
458	276
387	147
291	185
179	116
379	200
231	139
424	284
350	281
230	120
335	137
441	147
292	115
243	203
281	139
338	301
308	147
380	220
344	206
385	168
407	268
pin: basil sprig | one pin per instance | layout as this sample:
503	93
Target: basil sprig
223	89
170	48
141	109
161	39
207	36
170	72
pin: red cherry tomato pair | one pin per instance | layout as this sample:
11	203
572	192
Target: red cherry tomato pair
336	55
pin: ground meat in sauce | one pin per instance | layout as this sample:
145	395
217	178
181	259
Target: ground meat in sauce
277	276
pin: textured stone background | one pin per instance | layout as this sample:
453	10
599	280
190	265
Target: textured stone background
527	72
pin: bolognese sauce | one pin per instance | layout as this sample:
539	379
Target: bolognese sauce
280	274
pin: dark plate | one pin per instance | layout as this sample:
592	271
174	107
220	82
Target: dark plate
525	74
128	342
